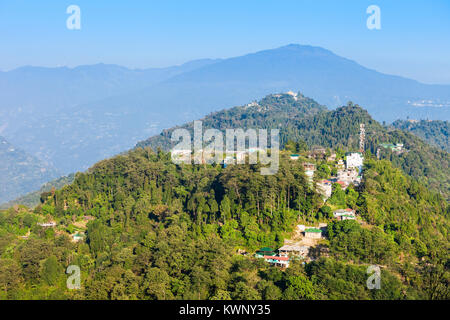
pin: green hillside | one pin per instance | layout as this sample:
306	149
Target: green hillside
163	231
304	119
435	132
151	229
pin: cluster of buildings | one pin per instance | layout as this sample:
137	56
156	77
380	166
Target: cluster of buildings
395	148
301	250
310	168
352	172
354	160
270	256
348	176
238	157
283	256
348	172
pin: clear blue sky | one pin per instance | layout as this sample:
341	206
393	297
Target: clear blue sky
414	40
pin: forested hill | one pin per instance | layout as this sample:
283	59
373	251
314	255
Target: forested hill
273	111
32	199
435	132
304	119
162	231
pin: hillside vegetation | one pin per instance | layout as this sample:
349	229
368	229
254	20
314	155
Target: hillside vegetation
163	231
435	132
306	120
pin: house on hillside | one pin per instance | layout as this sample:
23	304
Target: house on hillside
324	187
313	233
309	168
264	252
293	94
348	213
323	226
294	156
282	262
78	236
295	250
354	160
47	224
343	184
396	148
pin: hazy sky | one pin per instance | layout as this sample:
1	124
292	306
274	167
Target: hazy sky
414	40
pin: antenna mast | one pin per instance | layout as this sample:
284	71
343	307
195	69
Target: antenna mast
362	137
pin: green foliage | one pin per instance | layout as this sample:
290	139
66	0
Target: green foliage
435	132
166	231
50	270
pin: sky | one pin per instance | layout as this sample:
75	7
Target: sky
414	39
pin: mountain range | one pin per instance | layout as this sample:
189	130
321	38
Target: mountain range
72	117
21	172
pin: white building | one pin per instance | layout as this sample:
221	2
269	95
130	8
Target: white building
47	224
343	212
286	250
324	187
309	174
313	233
354	160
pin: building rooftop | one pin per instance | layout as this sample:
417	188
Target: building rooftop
277	258
288	247
313	230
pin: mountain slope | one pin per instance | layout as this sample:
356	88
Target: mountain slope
20	173
435	132
32	199
317	72
306	120
158	230
140	104
41	110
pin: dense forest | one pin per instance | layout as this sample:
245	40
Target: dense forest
163	231
152	229
435	132
302	119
